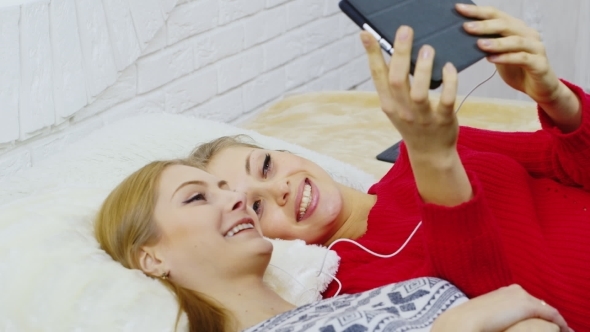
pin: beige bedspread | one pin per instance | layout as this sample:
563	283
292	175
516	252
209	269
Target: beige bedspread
350	126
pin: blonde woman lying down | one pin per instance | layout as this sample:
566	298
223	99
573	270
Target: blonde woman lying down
187	228
480	209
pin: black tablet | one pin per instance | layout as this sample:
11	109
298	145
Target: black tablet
390	154
435	22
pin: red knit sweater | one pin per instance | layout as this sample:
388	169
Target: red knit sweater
528	222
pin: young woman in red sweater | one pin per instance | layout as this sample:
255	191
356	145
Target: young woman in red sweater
189	230
496	208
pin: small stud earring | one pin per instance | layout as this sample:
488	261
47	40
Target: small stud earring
164	275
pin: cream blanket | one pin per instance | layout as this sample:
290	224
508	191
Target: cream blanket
350	126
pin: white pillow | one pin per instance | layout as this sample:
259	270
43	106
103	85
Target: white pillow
108	155
54	277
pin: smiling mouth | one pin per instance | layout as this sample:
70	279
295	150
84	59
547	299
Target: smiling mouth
305	200
238	228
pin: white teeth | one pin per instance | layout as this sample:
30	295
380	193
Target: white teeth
305	200
237	229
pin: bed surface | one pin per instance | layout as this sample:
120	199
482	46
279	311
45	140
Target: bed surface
350	126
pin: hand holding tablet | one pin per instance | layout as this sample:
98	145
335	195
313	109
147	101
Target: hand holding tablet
435	22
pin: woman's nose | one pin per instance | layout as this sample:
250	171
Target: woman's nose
281	192
238	201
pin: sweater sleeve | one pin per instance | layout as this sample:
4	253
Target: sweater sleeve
464	244
547	153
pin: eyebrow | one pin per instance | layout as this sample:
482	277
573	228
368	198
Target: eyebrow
220	184
248	162
188	183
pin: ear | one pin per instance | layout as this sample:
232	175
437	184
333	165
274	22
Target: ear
149	262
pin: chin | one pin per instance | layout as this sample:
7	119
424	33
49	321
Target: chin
265	246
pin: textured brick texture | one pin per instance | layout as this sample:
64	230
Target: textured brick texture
68	84
37	109
72	66
9	74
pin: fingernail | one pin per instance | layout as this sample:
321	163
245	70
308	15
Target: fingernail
448	67
485	42
493	57
365	39
471	25
403	33
465	6
425	52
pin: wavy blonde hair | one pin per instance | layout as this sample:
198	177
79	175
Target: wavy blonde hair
125	223
202	155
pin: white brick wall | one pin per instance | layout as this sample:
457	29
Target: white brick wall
108	59
159	68
9	74
232	10
193	18
148	18
68	67
122	32
36	89
69	84
97	49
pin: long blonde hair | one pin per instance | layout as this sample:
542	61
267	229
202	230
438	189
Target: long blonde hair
125	223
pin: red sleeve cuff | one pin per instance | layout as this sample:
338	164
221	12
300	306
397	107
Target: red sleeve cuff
579	139
463	221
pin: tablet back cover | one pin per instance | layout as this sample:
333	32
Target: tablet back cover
435	22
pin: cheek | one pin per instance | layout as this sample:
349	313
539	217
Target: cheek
331	199
333	206
180	240
276	225
185	231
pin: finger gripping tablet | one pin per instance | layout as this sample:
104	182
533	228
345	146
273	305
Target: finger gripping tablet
435	22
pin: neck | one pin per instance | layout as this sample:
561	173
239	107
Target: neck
249	301
354	215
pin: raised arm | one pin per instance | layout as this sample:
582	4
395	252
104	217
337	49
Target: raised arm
521	61
430	137
559	151
546	153
429	134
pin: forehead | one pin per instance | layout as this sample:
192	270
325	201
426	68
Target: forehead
175	175
230	161
234	154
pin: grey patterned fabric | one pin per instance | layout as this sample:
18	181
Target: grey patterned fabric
411	305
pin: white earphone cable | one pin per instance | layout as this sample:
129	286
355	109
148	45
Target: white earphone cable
320	271
370	251
475	88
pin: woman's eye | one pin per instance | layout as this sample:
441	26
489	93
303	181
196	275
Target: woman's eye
197	197
256	207
266	165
